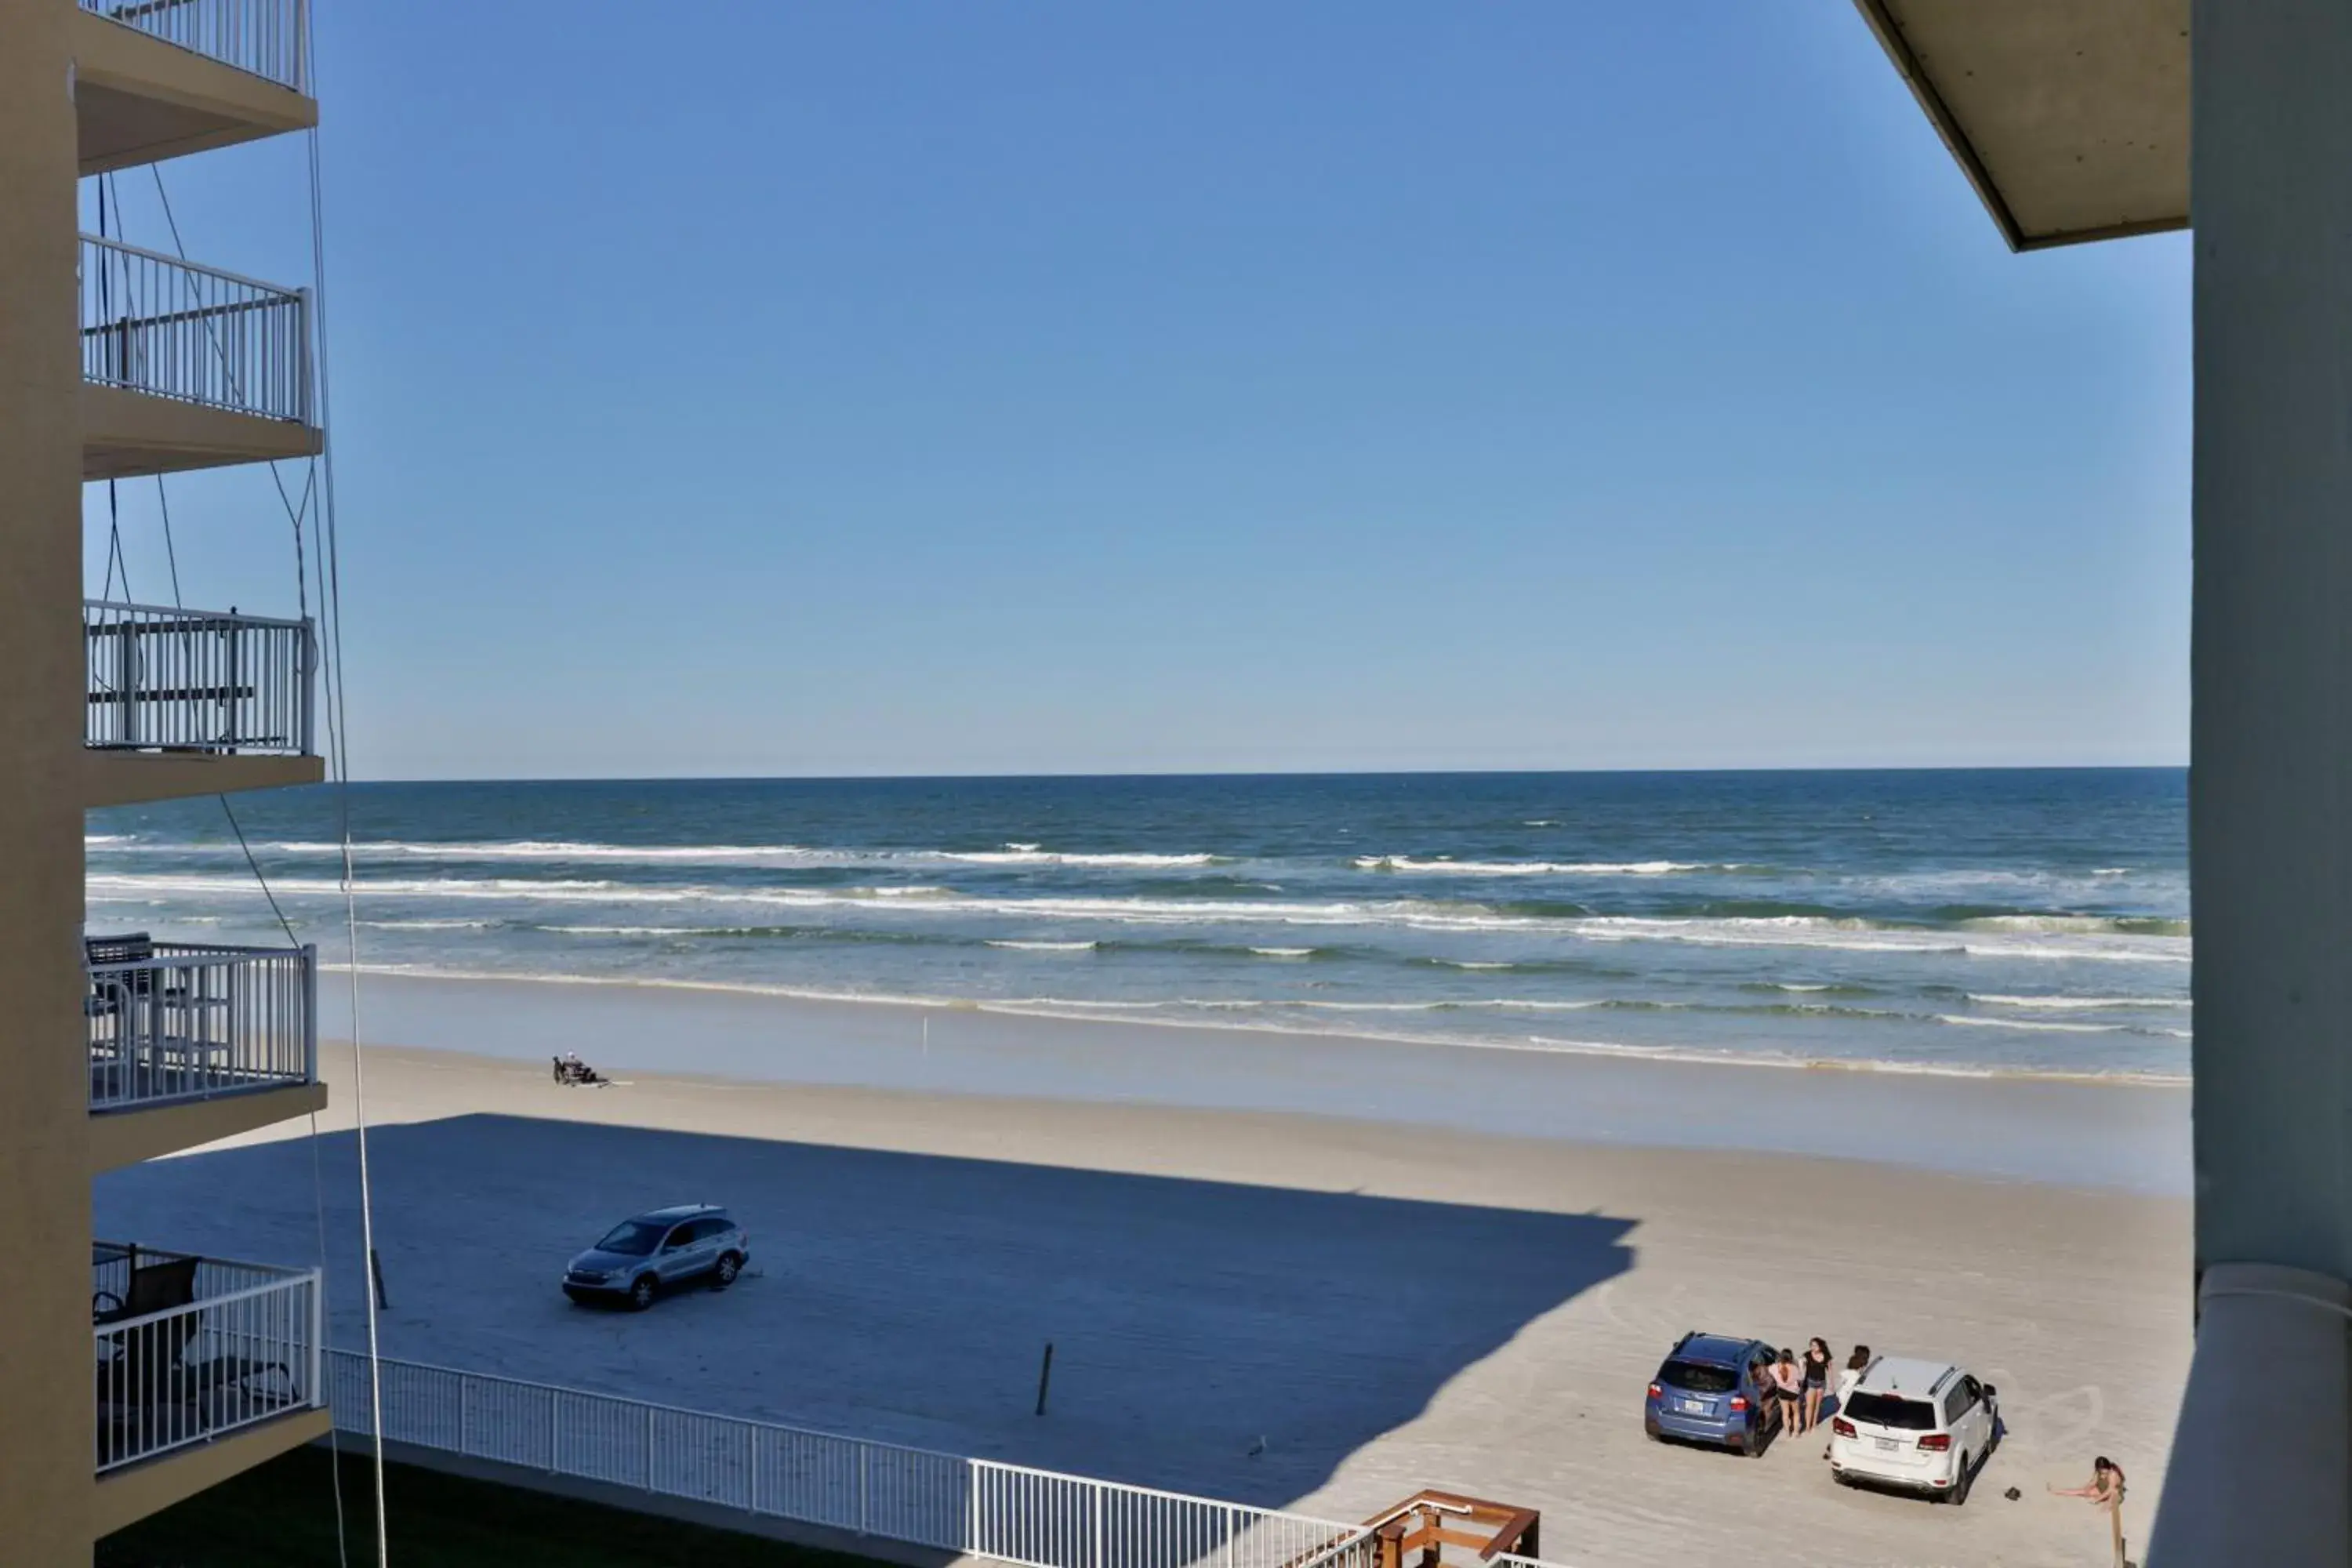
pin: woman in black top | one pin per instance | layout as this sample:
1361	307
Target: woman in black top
1817	1380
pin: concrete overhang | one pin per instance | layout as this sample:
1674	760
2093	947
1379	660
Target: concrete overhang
135	1133
128	434
140	100
2069	117
125	1497
133	778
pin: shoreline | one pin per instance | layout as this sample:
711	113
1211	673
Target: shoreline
2092	1133
1074	1010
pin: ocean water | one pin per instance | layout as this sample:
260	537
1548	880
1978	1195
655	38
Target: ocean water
2009	921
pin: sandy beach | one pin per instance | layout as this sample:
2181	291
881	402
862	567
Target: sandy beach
1374	1305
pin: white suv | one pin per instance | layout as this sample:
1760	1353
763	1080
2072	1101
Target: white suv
1925	1426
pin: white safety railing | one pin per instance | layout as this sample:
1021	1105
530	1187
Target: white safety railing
175	1021
1037	1518
1513	1560
166	679
189	1348
153	323
265	37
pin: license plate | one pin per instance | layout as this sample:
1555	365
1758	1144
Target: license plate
1694	1406
1887	1445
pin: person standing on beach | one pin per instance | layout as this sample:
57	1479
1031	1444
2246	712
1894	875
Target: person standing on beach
1787	1388
1856	1365
2104	1493
1816	1381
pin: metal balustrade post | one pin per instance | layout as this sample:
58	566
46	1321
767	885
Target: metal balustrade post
126	676
234	637
318	1338
306	692
310	1012
973	1503
304	374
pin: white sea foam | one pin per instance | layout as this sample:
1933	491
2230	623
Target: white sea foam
565	849
1033	856
1407	863
1861	936
1047	946
2071	1004
1284	951
793	855
638	930
1790	931
2042	1024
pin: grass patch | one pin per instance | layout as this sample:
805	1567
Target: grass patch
282	1515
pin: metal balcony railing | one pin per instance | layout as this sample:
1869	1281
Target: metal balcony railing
189	1348
181	1021
262	36
196	681
153	323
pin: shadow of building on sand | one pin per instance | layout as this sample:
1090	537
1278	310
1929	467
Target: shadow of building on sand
1235	1341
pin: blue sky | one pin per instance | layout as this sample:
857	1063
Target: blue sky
822	388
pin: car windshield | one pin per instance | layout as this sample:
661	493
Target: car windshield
1698	1377
1892	1410
632	1238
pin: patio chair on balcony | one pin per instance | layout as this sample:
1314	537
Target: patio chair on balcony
142	1390
155	1040
150	1394
114	996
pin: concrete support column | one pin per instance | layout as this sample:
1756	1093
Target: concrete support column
45	1378
2271	787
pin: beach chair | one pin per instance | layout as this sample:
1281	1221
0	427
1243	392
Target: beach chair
148	1388
142	1388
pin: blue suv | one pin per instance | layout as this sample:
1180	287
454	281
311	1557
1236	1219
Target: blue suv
1713	1389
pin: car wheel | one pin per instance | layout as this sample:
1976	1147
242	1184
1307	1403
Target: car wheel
641	1292
729	1266
1959	1492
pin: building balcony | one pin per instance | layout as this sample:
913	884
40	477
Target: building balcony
188	367
204	1367
184	702
158	79
190	1042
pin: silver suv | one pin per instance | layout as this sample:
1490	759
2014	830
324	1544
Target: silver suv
658	1251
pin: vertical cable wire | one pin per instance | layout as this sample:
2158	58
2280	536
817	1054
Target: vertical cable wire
339	743
301	595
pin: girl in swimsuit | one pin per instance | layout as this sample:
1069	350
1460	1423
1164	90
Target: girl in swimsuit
1816	1381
